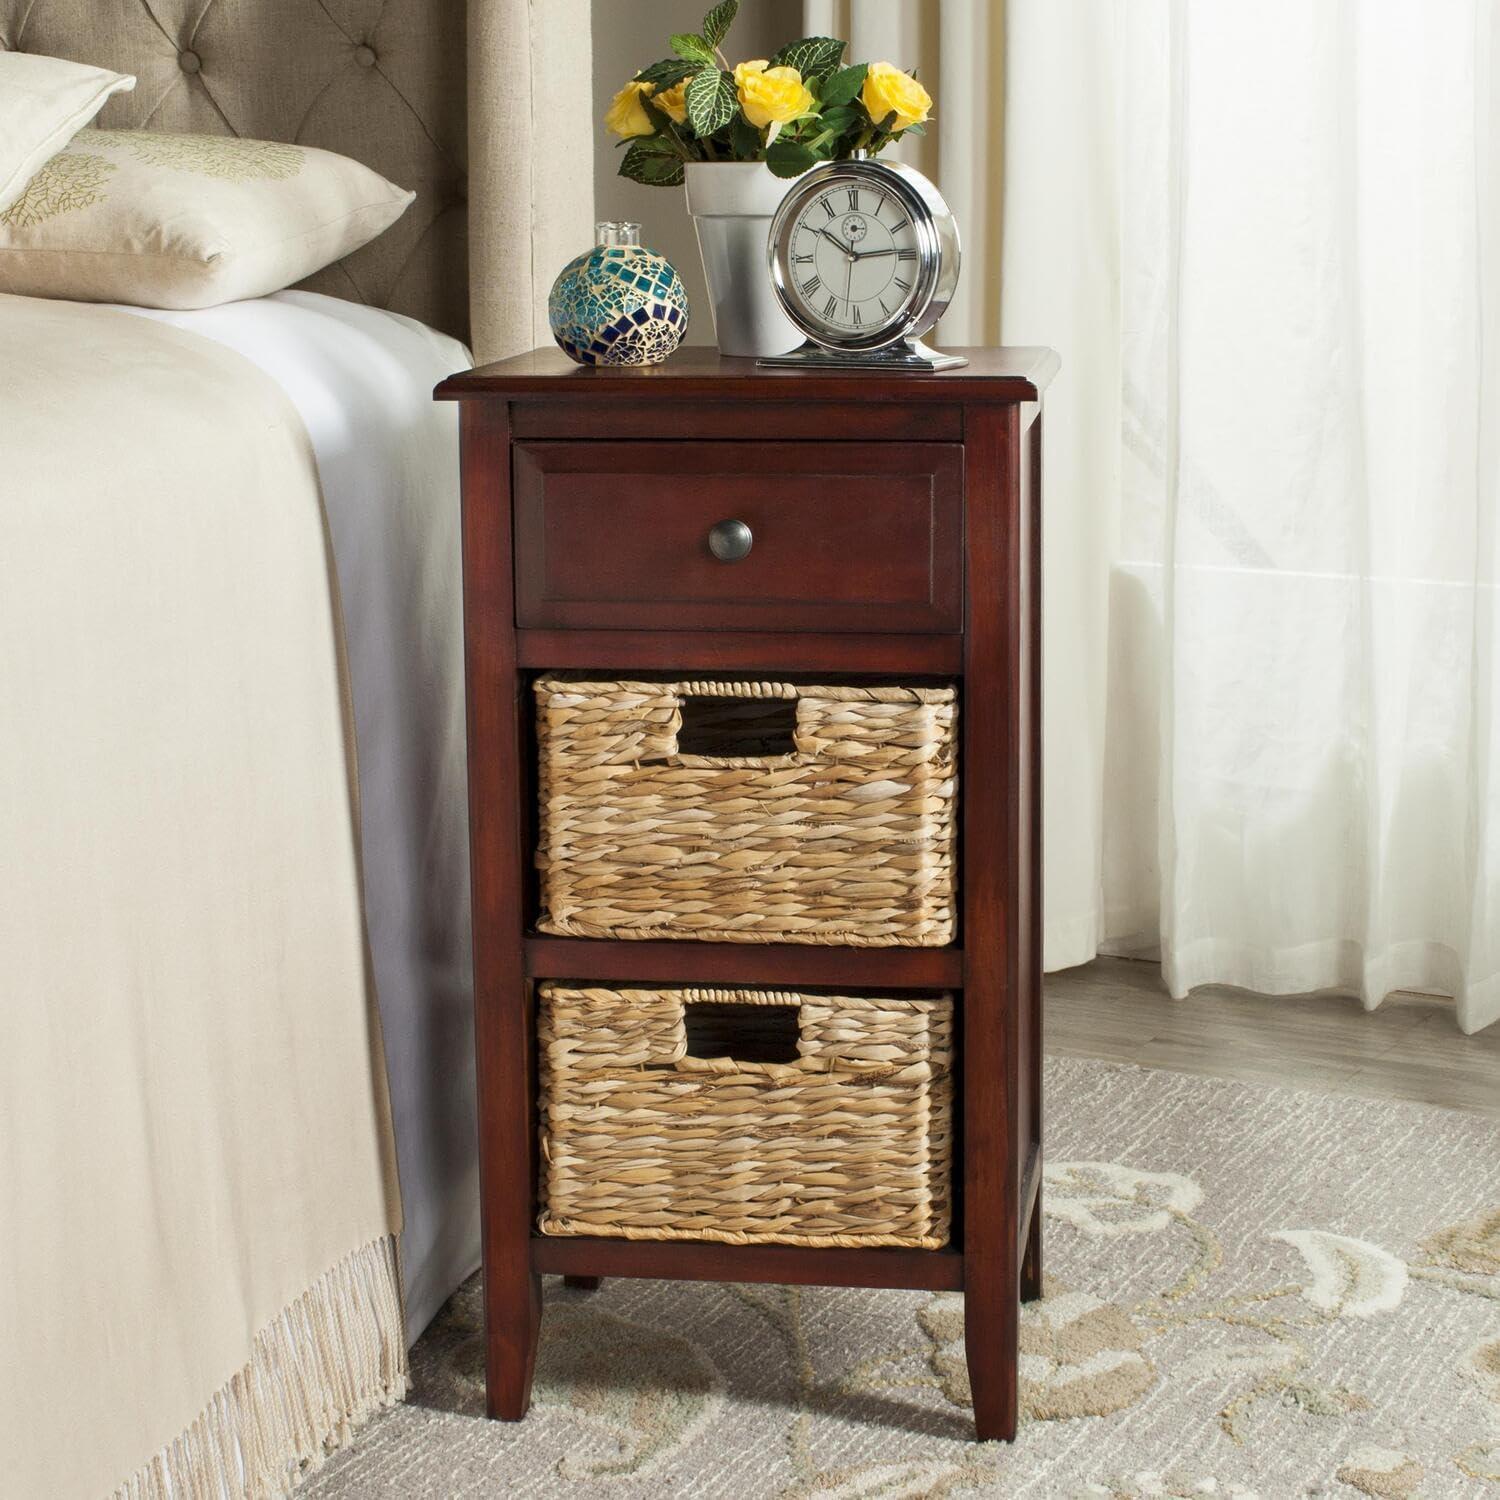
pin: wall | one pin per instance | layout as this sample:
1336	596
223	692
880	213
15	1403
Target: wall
629	35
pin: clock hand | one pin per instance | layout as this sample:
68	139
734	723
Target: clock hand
871	254
833	240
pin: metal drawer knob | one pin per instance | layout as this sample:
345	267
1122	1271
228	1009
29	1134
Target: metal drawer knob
729	541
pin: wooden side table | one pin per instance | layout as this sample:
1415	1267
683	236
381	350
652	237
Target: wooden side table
894	530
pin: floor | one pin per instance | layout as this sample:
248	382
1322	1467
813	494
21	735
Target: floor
1118	1010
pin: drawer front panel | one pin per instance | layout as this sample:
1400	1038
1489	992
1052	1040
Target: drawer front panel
747	812
841	536
745	1116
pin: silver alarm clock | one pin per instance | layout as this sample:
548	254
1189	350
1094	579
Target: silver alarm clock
864	257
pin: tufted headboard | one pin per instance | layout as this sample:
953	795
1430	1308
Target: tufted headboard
382	81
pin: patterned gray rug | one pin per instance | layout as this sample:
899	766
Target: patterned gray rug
1254	1294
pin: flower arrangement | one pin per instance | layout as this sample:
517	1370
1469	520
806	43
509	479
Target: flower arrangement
791	111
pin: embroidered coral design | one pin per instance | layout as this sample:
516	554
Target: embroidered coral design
226	157
1106	1199
853	1400
1382	1473
1080	1357
642	1391
1177	1484
1351	1278
69	182
1472	1246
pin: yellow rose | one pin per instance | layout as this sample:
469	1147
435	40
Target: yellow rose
625	115
888	90
672	102
770	94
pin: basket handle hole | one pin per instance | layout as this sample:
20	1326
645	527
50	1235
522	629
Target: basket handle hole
746	1033
732	728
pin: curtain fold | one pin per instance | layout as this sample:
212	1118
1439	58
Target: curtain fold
531	152
1263	239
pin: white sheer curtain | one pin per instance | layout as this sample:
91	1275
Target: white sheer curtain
957	49
1266	240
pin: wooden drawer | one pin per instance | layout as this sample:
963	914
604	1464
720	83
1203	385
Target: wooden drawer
844	536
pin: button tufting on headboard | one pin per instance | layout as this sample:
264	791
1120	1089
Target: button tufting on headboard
279	70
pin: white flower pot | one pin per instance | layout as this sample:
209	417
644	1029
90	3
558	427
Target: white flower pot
732	203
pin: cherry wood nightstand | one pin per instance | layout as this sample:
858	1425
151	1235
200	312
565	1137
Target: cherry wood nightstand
888	526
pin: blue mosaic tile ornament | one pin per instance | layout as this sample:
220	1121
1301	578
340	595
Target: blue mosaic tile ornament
618	304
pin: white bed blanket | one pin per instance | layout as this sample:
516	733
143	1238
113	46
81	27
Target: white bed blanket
387	457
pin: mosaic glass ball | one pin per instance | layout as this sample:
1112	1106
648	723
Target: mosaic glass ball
618	304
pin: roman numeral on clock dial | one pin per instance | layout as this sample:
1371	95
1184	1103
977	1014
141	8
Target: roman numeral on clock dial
852	270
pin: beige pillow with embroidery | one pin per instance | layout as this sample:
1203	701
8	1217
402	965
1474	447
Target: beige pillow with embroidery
44	101
166	220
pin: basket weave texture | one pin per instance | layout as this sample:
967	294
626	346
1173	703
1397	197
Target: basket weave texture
848	839
849	1145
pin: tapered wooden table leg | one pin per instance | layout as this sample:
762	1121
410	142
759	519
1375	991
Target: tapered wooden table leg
499	843
1031	1261
990	1344
513	1322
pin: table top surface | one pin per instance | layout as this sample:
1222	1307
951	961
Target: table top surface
994	375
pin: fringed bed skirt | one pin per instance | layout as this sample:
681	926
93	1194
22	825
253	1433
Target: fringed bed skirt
333	1358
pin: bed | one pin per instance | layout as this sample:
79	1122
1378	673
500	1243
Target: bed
235	857
361	381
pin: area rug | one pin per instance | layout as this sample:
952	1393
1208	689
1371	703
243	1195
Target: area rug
1253	1294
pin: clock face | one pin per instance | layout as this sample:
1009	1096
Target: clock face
853	259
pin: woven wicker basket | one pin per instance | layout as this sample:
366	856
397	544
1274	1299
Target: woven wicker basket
850	1144
846	836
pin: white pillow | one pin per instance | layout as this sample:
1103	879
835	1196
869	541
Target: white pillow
44	102
170	220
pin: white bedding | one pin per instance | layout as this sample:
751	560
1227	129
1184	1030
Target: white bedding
362	381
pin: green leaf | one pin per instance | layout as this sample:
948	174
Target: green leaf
812	57
657	145
654	168
711	101
718	21
664	74
912	130
744	139
845	84
789	158
838	119
689	45
659	119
